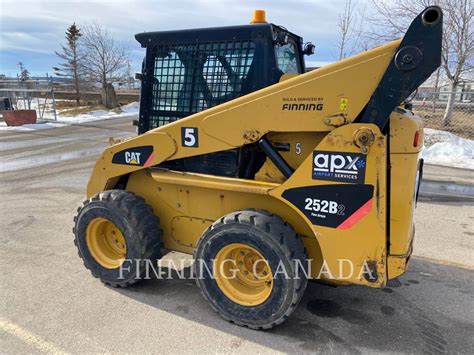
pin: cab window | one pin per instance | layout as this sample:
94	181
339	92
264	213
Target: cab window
287	58
189	78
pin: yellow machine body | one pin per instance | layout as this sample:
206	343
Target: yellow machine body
378	231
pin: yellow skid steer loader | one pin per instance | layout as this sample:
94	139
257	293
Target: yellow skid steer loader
270	175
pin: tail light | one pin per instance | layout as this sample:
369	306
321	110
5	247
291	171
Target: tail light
416	139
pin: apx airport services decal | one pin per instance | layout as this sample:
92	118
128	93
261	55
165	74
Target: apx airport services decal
335	206
138	156
339	166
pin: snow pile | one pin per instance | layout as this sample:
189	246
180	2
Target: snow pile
62	118
447	149
129	110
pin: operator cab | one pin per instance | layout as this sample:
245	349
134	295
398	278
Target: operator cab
188	71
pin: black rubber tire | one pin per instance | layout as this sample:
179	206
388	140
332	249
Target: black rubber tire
276	241
139	226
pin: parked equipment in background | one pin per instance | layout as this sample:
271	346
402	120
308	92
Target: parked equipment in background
19	117
5	104
26	94
267	173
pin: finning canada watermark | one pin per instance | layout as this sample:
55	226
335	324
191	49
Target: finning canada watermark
342	269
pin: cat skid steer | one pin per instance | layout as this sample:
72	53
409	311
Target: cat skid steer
267	173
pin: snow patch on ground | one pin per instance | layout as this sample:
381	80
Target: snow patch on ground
29	127
447	149
129	110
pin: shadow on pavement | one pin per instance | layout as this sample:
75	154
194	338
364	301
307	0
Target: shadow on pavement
429	309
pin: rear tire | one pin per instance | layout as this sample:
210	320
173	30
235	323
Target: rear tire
117	234
263	234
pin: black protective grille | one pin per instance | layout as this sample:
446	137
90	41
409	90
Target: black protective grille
189	78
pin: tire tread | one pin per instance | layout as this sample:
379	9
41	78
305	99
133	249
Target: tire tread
284	236
142	217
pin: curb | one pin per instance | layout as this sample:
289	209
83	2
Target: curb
446	191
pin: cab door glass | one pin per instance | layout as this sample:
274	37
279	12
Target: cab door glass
286	55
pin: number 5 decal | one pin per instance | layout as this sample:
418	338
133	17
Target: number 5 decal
298	148
189	137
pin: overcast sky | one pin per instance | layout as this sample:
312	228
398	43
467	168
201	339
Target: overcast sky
30	31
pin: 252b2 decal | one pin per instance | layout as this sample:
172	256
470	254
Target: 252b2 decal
324	206
335	206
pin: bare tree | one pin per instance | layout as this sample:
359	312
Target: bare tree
350	29
71	67
435	89
393	18
105	61
458	47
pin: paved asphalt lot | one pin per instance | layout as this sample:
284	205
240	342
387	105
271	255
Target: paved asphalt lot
50	302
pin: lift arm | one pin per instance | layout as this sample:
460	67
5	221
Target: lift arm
418	56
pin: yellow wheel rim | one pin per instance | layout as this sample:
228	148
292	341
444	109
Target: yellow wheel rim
106	243
243	274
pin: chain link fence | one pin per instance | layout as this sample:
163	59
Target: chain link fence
431	107
30	94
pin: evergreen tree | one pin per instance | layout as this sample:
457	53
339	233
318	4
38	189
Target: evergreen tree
24	73
70	54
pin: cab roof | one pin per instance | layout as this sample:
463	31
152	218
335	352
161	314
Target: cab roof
211	34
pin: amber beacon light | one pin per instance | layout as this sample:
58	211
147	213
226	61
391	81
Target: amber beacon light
258	17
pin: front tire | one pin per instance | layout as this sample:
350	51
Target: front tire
257	267
117	235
